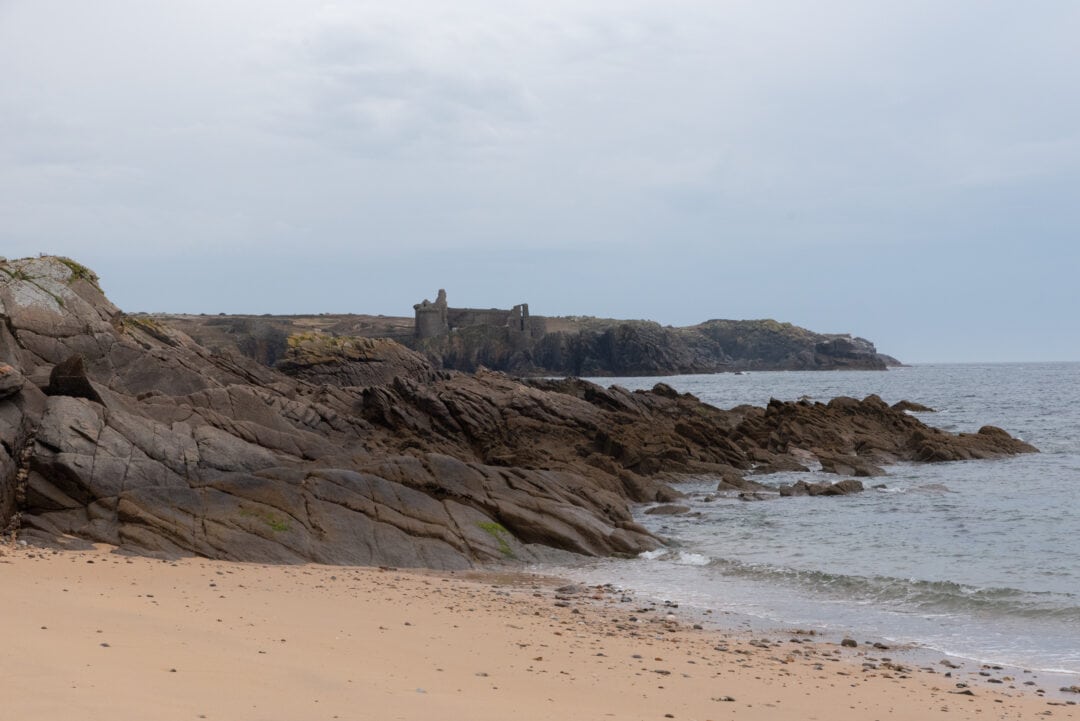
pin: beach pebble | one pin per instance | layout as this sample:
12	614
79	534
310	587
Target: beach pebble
849	643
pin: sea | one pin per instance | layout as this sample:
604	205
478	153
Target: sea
974	560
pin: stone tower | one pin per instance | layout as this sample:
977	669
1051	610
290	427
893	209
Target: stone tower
431	318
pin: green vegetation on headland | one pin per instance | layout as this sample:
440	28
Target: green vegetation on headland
80	271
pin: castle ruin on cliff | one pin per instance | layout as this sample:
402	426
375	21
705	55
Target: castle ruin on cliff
437	319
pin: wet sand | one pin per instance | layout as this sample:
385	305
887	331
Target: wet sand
97	635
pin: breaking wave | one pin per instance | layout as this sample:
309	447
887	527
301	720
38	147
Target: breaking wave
903	594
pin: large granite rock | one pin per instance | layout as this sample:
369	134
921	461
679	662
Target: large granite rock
123	430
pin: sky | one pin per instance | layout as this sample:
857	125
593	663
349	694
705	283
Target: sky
908	172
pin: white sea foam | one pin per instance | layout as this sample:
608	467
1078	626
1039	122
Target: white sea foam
682	558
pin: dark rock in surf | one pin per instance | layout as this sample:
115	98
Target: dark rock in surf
668	509
912	407
758	496
843	488
840	488
801	488
732	480
849	466
778	463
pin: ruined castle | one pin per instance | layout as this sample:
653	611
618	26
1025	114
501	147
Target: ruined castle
434	320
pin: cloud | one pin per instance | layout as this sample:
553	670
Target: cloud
617	134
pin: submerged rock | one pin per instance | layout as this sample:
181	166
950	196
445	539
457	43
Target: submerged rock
732	480
849	465
840	488
912	407
668	509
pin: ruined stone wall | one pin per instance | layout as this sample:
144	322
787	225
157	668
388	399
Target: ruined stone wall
518	320
536	326
429	323
465	317
436	319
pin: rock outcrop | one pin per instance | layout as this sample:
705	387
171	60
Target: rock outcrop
850	436
912	407
840	488
320	357
122	429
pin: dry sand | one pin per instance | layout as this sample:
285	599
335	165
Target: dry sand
96	635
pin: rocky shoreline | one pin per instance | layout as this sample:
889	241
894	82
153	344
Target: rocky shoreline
118	429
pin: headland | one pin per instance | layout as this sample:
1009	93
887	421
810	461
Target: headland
515	341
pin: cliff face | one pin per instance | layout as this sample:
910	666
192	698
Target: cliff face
122	430
630	348
767	344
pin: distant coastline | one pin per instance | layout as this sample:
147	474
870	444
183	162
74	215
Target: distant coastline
517	342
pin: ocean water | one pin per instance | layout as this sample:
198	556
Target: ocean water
979	560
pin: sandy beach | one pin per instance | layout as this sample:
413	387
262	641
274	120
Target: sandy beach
98	635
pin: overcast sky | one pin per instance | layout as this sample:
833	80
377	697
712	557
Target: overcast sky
905	171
